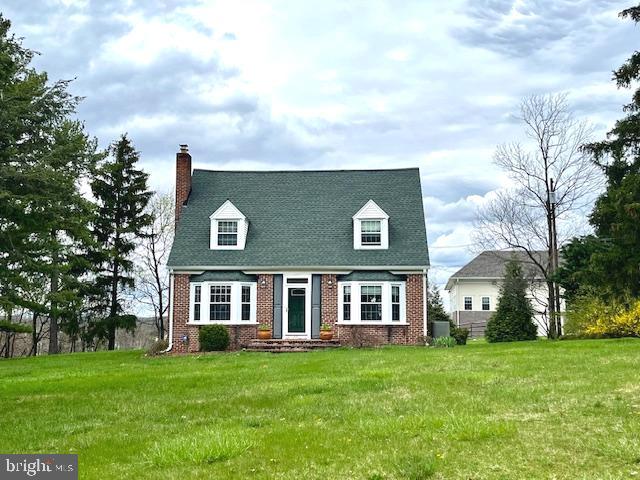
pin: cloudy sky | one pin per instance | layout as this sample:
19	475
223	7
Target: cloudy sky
332	84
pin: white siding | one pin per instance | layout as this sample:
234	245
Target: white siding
478	288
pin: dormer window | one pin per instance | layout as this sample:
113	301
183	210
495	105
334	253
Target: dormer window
227	233
371	232
228	228
371	228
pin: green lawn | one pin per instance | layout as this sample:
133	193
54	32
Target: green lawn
530	410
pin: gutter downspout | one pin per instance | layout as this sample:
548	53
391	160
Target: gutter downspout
457	302
424	302
170	313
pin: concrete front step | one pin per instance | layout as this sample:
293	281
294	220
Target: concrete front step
289	345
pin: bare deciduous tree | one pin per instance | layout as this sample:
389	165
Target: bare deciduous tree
554	182
153	279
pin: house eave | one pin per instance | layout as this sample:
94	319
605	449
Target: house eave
451	280
395	269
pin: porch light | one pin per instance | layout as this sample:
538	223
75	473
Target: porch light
263	283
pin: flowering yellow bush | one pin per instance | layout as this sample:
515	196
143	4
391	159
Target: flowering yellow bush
623	323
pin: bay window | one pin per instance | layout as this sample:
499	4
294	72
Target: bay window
222	302
373	303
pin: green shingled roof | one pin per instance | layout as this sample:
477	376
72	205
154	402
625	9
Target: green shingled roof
303	218
364	276
223	276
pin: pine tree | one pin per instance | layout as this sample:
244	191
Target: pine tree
513	318
43	157
616	216
121	194
435	307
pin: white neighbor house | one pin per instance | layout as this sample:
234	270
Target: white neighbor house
475	288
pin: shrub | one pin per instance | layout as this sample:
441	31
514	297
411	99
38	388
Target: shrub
591	317
444	342
264	327
213	338
460	334
513	319
625	323
326	327
158	347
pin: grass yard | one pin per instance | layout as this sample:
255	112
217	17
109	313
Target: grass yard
531	410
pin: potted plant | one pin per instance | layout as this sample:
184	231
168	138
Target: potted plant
326	331
264	331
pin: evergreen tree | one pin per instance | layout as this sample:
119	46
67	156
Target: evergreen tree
616	216
43	157
435	307
121	194
513	318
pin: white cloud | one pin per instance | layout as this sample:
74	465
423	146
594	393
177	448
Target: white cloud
281	84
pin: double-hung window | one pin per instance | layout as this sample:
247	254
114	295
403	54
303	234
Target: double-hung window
227	232
371	232
486	305
371	303
395	303
246	303
468	303
346	303
220	302
197	302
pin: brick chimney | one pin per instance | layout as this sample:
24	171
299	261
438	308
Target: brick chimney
183	178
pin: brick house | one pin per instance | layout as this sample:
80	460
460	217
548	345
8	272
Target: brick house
297	249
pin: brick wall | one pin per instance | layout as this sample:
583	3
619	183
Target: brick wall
264	311
372	335
415	308
183	180
181	316
329	300
239	335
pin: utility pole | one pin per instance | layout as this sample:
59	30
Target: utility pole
553	243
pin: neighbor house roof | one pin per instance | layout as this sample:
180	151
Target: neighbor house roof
490	265
303	219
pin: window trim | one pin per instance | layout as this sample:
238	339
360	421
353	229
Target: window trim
371	211
236	303
228	212
386	303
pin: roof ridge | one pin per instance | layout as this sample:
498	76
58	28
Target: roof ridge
310	171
